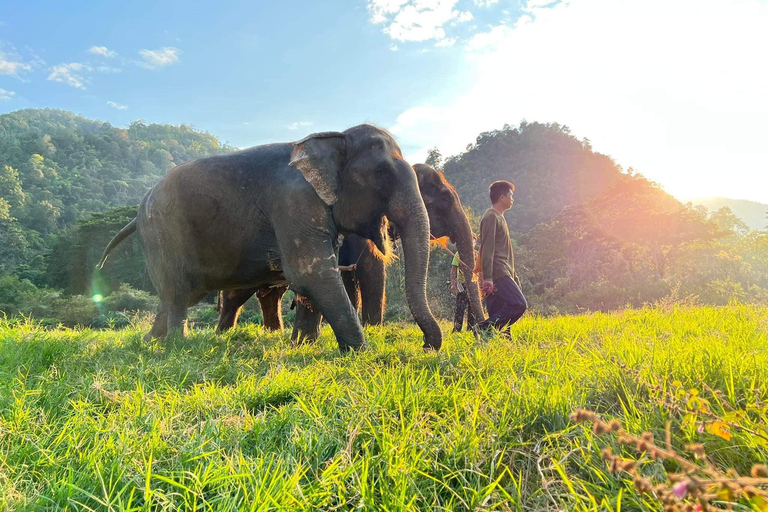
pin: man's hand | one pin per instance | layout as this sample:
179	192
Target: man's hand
488	288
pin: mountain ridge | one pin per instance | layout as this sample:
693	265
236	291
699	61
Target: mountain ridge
753	213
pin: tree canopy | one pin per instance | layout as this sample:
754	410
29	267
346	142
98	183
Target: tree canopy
57	167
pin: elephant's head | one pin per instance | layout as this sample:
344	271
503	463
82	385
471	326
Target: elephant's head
447	218
361	175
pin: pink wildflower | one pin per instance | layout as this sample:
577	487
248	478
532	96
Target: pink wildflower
680	489
701	428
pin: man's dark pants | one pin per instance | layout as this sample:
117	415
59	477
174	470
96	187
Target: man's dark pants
462	304
505	306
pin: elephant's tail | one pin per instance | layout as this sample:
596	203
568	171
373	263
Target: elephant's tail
125	232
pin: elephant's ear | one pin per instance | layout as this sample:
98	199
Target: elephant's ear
320	157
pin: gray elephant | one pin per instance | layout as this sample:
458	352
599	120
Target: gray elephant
273	214
366	284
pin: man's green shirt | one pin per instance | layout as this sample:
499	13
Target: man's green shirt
496	246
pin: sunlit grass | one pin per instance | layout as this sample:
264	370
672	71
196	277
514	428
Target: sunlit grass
244	421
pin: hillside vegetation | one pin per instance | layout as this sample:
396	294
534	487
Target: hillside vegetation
589	235
57	168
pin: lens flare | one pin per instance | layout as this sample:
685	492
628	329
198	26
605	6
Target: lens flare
97	298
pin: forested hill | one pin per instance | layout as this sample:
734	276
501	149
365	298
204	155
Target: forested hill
550	168
589	236
56	167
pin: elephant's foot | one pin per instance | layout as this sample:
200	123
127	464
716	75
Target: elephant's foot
306	327
159	327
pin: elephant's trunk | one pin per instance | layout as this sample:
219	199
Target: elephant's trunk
463	240
410	218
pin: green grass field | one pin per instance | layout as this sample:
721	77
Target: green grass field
100	420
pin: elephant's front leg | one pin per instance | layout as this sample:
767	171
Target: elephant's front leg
271	300
314	273
306	326
231	305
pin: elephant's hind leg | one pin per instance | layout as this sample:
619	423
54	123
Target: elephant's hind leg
159	327
177	311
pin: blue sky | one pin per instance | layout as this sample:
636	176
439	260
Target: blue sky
673	89
245	71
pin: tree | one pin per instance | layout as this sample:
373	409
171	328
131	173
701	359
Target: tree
14	246
78	252
11	190
728	222
434	159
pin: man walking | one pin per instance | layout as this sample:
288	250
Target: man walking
501	286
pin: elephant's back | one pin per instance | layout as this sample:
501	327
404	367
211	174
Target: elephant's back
217	213
259	163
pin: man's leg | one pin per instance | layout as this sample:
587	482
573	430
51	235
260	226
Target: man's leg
495	307
461	304
515	303
505	306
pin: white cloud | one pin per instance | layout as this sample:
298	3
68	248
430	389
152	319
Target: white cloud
10	65
463	17
534	4
155	59
117	105
299	124
70	74
381	9
680	96
485	3
108	69
6	95
488	39
102	51
448	41
415	20
394	47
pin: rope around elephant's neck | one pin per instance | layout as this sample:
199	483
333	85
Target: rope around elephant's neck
446	249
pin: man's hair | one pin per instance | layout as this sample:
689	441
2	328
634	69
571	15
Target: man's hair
499	188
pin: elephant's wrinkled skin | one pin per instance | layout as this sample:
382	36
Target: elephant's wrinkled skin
273	214
367	284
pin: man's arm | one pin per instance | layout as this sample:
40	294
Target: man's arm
488	245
